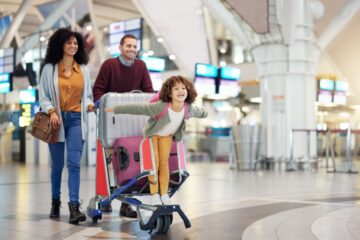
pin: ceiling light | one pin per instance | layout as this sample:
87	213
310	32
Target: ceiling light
222	63
172	57
89	28
150	52
255	100
42	39
160	39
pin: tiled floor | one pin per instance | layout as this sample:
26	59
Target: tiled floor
221	204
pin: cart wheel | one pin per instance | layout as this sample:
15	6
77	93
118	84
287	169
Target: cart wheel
95	219
159	223
167	223
171	218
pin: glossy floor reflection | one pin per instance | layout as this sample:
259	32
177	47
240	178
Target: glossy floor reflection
221	204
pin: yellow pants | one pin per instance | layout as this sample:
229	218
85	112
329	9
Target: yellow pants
162	147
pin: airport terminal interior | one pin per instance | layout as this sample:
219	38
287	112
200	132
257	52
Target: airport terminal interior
277	156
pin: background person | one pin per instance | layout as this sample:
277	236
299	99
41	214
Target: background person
123	74
64	69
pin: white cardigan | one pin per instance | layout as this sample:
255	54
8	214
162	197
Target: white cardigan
46	96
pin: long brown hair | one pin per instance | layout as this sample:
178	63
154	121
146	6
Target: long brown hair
165	92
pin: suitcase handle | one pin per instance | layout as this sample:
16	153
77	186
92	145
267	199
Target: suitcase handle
123	158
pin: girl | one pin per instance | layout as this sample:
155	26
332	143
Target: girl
65	93
177	91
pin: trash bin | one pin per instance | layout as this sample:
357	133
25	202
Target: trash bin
247	138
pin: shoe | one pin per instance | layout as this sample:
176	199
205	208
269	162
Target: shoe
75	215
155	199
106	208
127	211
55	208
165	199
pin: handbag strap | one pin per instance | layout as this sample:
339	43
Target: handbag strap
54	92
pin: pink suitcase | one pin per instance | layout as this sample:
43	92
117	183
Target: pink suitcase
126	159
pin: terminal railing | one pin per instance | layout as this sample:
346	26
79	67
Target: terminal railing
329	149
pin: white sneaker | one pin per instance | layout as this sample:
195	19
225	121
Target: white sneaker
166	199
155	199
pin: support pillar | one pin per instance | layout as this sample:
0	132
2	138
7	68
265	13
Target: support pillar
287	82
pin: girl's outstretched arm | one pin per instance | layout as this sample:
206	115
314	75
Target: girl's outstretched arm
148	109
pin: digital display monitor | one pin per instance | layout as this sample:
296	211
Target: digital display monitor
229	73
28	96
230	88
326	84
341	86
154	64
206	70
340	98
325	97
204	85
7	60
118	29
5	82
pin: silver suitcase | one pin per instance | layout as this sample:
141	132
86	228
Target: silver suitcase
112	126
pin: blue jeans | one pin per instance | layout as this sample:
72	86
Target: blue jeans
74	145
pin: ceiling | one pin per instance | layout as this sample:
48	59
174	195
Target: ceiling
106	12
342	53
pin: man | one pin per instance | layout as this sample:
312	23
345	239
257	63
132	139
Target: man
123	74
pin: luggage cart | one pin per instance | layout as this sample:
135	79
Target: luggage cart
133	161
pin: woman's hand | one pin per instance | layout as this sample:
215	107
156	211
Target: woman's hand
109	110
54	120
90	108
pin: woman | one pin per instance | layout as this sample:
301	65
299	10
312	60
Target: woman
65	93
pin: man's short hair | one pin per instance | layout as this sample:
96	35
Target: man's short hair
125	37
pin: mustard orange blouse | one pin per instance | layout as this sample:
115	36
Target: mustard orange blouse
70	88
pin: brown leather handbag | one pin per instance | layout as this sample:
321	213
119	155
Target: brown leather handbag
41	127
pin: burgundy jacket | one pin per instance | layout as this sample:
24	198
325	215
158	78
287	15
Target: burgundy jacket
116	77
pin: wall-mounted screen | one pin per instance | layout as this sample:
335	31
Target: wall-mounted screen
118	29
230	88
341	86
28	96
5	82
206	70
204	85
325	97
340	98
7	60
154	64
326	84
229	73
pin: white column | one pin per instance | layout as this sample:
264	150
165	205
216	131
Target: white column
287	82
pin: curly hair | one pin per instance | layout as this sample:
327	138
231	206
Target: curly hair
55	47
165	92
